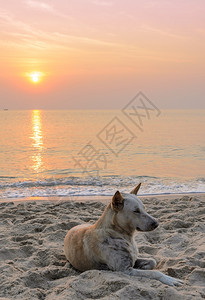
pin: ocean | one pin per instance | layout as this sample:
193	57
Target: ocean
96	152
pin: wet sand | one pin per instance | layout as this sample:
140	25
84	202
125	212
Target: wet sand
33	265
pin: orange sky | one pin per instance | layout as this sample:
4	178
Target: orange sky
99	54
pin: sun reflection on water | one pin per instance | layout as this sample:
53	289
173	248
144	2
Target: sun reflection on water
37	138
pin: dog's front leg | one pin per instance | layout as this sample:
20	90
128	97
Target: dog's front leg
153	274
121	261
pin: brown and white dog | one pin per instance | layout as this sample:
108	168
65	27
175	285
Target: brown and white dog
109	243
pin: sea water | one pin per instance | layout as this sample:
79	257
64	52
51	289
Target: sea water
95	152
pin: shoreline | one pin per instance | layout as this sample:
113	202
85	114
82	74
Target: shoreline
99	198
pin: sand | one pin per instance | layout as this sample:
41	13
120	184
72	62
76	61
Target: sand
33	265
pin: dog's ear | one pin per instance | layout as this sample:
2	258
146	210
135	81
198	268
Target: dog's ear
136	189
117	201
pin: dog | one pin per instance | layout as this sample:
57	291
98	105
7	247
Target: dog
109	243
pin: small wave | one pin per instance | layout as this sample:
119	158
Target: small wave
77	181
7	177
201	179
98	186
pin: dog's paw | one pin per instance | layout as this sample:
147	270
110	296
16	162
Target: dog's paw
171	281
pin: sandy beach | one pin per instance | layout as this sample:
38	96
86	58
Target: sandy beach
33	265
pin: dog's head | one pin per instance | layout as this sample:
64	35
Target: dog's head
130	212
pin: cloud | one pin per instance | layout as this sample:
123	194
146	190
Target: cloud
45	7
24	34
40	5
17	33
102	3
8	19
163	32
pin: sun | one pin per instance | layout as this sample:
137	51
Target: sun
35	77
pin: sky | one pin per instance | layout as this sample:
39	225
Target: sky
98	54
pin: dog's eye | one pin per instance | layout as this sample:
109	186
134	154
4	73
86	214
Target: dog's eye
137	211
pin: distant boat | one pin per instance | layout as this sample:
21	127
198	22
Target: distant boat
5	109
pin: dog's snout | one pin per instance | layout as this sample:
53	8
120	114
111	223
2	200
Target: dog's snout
154	224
